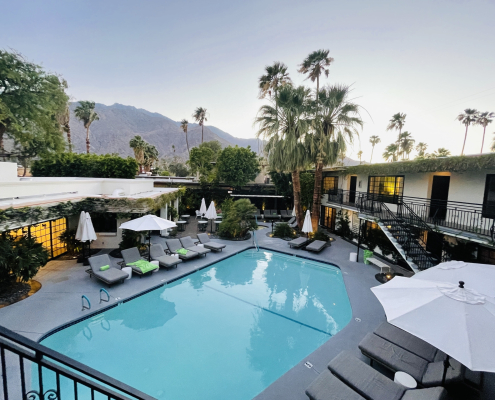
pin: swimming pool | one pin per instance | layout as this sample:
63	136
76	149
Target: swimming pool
225	332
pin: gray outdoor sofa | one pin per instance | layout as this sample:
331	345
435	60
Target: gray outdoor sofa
316	246
348	378
298	242
204	239
111	275
188	244
131	256
158	254
174	245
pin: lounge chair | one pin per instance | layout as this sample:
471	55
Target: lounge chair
360	381
257	213
111	275
289	222
158	254
188	244
204	239
131	256
396	358
298	242
293	225
316	246
283	214
174	245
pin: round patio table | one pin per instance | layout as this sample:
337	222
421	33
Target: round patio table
185	218
202	225
181	225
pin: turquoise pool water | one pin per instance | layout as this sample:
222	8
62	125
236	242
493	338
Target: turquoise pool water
225	332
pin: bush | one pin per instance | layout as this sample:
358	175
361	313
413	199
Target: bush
74	246
238	220
85	165
20	258
343	225
236	166
283	230
130	239
320	235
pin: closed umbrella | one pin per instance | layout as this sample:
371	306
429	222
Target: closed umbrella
453	318
307	226
294	212
202	209
148	223
211	214
85	232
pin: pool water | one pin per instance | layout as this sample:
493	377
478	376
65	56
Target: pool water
225	332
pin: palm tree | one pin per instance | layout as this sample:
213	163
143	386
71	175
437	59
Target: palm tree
183	126
406	144
63	120
314	65
85	112
150	156
390	153
397	122
492	148
441	152
200	117
139	146
469	117
421	148
360	154
374	140
484	119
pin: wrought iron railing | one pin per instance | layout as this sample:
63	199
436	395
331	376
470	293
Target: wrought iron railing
30	371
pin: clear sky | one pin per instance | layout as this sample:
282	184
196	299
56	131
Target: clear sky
428	59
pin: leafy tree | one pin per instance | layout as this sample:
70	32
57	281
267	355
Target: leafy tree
390	153
307	186
484	119
314	65
64	121
374	140
183	125
421	149
284	231
470	116
151	156
201	159
238	219
85	112
178	169
200	117
397	122
138	145
214	145
406	144
282	182
236	166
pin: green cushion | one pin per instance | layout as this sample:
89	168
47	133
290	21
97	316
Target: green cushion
104	268
144	266
182	251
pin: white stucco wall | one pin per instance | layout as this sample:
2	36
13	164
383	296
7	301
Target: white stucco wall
8	172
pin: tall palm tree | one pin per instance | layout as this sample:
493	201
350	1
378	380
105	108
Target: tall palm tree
150	156
484	119
200	117
470	116
421	149
183	126
397	122
390	153
139	146
314	65
64	120
441	152
406	144
374	140
85	112
360	154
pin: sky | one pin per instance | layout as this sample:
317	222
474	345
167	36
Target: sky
427	59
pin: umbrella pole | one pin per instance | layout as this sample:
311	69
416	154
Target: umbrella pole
149	246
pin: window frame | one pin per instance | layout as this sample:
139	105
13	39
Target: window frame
486	212
386	198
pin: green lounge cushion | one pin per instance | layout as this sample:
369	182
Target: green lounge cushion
104	267
181	251
144	266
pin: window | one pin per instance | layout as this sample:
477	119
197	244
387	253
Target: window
104	222
330	183
386	188
328	218
489	197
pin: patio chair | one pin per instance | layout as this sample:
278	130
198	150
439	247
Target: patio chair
257	213
290	221
175	244
204	239
395	358
283	214
131	256
298	242
188	244
316	246
111	275
158	254
293	225
198	214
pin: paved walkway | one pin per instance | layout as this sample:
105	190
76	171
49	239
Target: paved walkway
63	283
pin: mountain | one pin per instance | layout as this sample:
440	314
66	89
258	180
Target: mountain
118	124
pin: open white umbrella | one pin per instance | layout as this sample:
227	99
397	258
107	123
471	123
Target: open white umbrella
148	223
457	320
307	226
211	213
202	209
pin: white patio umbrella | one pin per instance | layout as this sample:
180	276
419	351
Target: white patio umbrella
202	209
457	320
148	223
479	277
294	212
85	232
307	226
211	214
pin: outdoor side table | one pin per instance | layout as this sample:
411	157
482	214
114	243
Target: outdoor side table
405	380
181	225
155	263
202	225
185	218
128	271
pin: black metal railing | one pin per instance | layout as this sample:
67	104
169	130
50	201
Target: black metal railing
30	371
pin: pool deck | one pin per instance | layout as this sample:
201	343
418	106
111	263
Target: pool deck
64	282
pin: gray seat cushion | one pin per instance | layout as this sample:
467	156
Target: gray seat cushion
200	250
436	393
111	275
434	373
131	255
363	379
316	246
168	261
329	387
214	246
300	241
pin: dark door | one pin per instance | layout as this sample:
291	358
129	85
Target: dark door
439	196
352	190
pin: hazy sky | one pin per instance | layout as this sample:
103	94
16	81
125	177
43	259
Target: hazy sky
428	59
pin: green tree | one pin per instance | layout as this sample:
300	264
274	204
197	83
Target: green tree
360	155
236	166
201	159
183	125
397	122
178	169
374	140
307	186
64	121
390	153
238	219
484	119
138	145
314	65
200	116
440	152
282	182
470	116
421	149
406	144
215	146
151	156
85	112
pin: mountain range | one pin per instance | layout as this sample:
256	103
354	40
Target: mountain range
118	124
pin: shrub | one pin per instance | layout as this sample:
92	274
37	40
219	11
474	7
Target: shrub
130	239
20	258
74	246
343	225
320	235
85	165
238	220
283	230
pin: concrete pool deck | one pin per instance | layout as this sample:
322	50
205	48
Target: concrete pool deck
58	302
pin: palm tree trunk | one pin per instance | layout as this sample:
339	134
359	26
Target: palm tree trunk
87	140
296	187
464	144
3	129
483	141
201	133
187	143
372	148
69	139
315	214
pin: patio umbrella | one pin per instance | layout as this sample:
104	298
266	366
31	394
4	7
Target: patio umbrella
211	214
148	223
85	232
480	276
202	209
294	212
307	226
455	319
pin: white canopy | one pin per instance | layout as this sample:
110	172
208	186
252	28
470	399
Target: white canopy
307	226
148	223
85	230
457	320
202	209
211	213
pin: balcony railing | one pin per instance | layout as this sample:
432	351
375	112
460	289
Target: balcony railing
467	217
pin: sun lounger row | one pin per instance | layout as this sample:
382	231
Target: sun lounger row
315	246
